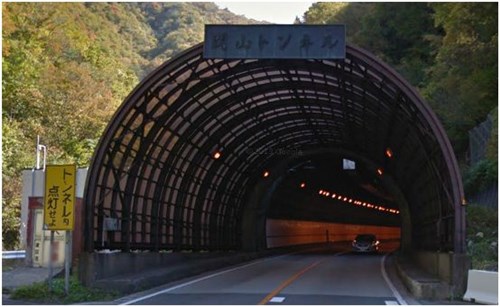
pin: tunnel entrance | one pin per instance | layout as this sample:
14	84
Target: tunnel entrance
181	164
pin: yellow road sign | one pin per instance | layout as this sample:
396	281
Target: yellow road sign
59	200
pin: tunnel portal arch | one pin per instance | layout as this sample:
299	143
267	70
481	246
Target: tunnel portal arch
175	165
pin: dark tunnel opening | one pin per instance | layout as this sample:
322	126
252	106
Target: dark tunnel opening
330	198
325	196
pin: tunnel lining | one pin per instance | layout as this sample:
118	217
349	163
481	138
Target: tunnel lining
154	169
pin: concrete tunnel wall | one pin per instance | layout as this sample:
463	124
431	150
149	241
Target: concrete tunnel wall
289	232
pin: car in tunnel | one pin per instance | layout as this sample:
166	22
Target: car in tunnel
365	243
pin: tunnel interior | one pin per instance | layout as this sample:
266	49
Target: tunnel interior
181	164
329	197
327	189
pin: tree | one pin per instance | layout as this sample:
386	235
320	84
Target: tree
463	83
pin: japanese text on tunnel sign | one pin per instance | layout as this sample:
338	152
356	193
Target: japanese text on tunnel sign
274	41
59	200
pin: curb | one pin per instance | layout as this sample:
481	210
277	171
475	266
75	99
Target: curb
421	285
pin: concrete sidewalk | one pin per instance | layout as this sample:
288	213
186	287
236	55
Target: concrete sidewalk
24	276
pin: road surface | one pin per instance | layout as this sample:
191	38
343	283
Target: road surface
332	276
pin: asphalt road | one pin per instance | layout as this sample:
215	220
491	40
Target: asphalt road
332	276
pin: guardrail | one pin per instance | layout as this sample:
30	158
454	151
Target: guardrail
13	254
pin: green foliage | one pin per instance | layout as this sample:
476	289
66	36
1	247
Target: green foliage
463	84
40	293
482	249
396	32
15	157
492	146
480	176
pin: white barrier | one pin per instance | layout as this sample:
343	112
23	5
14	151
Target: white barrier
482	287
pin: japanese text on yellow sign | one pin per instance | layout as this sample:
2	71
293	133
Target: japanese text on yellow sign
59	197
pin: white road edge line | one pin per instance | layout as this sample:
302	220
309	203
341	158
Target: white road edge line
391	303
277	299
398	296
202	278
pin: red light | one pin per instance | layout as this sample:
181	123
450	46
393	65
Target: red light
320	192
327	194
340	197
350	200
345	198
217	155
266	174
334	195
380	171
303	185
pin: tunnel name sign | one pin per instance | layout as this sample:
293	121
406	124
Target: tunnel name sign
59	199
274	42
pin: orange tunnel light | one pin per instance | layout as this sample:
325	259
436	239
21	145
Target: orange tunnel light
217	155
388	153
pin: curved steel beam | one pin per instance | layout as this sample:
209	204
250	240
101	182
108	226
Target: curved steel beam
154	170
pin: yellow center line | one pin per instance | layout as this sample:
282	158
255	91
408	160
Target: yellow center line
291	279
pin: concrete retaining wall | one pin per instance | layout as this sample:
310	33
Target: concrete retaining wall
435	263
434	275
96	266
131	272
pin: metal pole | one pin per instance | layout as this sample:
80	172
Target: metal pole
67	262
44	156
51	251
37	152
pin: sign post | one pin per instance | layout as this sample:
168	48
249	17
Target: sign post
59	202
51	252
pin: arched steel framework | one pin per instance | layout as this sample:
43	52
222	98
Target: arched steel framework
154	169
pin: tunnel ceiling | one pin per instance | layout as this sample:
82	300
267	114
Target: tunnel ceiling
299	197
155	171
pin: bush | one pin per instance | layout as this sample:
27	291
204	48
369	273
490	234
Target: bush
480	176
40	293
483	249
